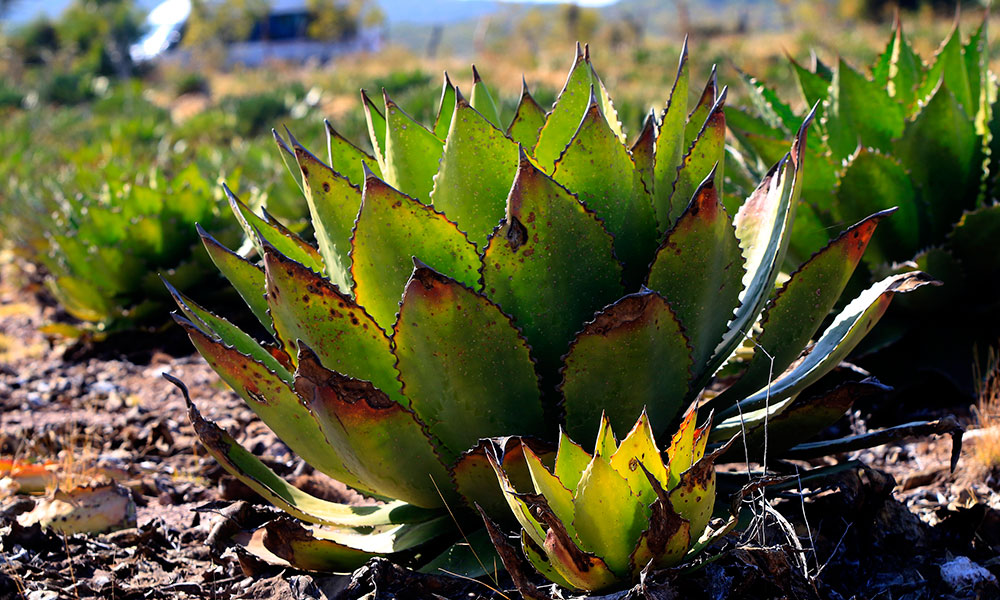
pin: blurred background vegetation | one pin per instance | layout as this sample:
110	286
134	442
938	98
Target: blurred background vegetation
109	161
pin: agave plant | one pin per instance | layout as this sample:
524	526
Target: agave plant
473	283
594	522
916	135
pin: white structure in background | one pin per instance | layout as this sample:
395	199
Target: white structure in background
280	36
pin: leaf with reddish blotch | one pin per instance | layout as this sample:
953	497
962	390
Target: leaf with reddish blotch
261	230
797	310
580	569
849	327
371	431
467	370
476	170
446	108
412	153
687	446
307	307
529	117
632	356
246	467
705	155
246	277
698	269
670	146
345	158
391	230
549	265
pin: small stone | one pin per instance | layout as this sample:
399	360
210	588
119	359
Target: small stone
962	574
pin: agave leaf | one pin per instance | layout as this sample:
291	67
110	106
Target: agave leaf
870	180
345	158
850	326
953	155
775	113
529	117
246	277
518	502
694	497
598	168
638	456
474	178
227	333
814	88
904	69
274	401
777	427
446	109
80	298
706	154
609	518
563	122
412	153
250	470
580	569
376	130
538	559
667	538
558	496
391	229
606	444
476	479
947	425
687	445
371	431
670	146
333	203
549	265
571	460
467	369
698	269
976	231
482	101
798	309
306	307
974	53
859	112
608	366
702	110
643	152
762	226
262	230
949	65
474	556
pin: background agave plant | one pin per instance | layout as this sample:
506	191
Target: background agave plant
472	282
914	134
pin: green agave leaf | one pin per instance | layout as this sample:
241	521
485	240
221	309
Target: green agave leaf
467	370
904	69
478	165
371	431
606	444
376	130
899	433
706	155
666	540
976	64
529	117
571	460
482	101
250	470
445	109
517	502
608	367
477	481
694	497
859	112
308	308
538	559
246	277
798	309
571	104
953	154
609	518
704	108
698	269
268	231
850	326
391	229
974	232
643	152
549	265
345	158
80	298
475	556
766	103
670	146
762	226
412	153
687	446
227	333
333	203
638	449
870	180
949	65
597	167
274	401
557	495
814	88
343	551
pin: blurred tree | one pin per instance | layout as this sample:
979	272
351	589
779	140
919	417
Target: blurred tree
581	23
214	23
342	19
534	28
36	42
99	33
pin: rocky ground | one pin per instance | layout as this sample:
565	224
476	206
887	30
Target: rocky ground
902	526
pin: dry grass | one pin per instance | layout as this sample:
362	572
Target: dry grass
986	441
